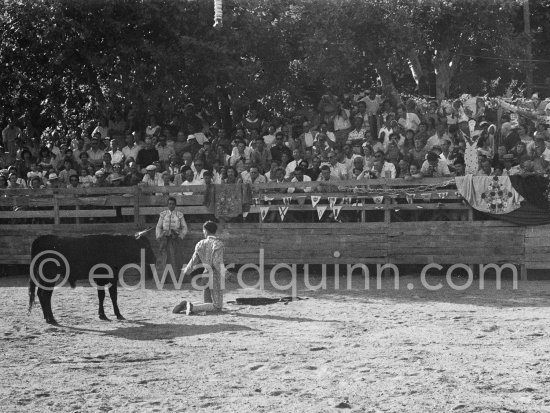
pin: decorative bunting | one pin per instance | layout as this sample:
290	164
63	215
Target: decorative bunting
336	210
263	211
301	200
378	199
256	201
245	214
282	211
332	201
426	196
315	200
397	210
346	200
410	198
442	195
266	199
321	210
287	200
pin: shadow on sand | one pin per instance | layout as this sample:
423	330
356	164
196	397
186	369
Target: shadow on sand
150	331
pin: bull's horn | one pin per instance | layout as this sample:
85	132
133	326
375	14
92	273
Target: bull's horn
139	234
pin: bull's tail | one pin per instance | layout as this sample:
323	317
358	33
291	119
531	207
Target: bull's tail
32	295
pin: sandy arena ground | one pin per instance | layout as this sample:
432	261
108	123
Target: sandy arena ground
357	350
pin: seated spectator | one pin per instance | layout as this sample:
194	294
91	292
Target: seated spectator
434	167
107	166
403	169
74	181
419	152
147	155
67	171
45	158
199	171
53	181
261	156
357	134
233	177
131	149
521	154
485	168
153	129
3	182
299	176
541	151
279	148
14	182
269	138
440	136
152	177
326	174
36	183
240	153
102	128
85	179
414	172
292	165
117	156
384	169
254	176
392	152
508	168
95	155
133	175
315	170
338	170
459	168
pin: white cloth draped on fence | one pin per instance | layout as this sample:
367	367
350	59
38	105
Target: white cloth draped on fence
490	194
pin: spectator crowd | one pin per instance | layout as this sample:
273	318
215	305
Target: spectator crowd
341	138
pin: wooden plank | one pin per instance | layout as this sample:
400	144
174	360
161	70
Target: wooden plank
88	213
141	211
15	259
27	214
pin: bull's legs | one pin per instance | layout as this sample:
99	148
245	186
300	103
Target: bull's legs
113	292
101	296
45	298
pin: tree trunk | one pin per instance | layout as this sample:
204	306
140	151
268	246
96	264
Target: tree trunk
418	73
224	105
390	91
445	68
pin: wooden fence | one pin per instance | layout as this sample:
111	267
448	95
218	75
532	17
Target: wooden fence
416	222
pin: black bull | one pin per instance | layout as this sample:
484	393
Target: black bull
81	255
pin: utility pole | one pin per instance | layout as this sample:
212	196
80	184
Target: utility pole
528	50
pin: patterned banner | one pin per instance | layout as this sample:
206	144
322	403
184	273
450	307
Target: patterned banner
336	210
410	198
263	211
245	214
346	200
378	199
321	210
332	201
315	200
442	195
287	200
256	201
301	200
282	211
426	196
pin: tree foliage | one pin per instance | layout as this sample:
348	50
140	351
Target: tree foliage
72	60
